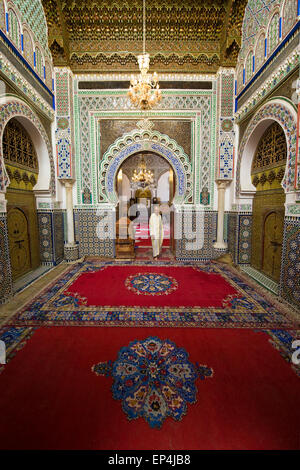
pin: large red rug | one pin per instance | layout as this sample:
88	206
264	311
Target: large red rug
51	399
145	293
159	286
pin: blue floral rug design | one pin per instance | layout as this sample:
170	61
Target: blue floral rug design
154	379
151	284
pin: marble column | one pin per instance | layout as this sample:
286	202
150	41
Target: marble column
220	244
71	251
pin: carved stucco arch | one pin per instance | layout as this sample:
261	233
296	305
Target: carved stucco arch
283	112
11	107
139	141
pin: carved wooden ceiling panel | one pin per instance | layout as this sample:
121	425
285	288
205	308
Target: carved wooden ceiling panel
181	36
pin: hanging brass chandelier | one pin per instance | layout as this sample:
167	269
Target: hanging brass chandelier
142	177
144	92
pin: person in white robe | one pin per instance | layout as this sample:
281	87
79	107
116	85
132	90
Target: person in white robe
156	231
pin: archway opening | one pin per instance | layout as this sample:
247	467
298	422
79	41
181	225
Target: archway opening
22	167
267	172
145	179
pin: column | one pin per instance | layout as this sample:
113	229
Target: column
71	251
220	244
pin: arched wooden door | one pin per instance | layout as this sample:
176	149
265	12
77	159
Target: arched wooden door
21	164
19	246
268	169
272	244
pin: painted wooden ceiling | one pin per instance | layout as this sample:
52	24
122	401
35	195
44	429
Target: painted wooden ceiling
181	36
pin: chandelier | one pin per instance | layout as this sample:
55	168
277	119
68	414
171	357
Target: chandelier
142	177
144	93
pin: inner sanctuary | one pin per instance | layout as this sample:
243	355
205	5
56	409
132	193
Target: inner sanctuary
149	224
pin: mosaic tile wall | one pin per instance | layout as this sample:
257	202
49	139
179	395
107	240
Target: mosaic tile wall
95	232
25	58
239	237
290	271
51	231
226	127
63	90
33	13
51	234
90	106
239	245
58	234
202	226
5	271
244	239
266	23
232	234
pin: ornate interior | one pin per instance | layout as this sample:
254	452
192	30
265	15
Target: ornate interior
107	36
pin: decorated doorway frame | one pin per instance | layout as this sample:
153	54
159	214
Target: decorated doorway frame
13	107
139	141
279	110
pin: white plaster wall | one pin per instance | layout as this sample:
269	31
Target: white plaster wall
126	187
163	187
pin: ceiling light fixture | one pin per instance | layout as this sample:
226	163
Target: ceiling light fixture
144	92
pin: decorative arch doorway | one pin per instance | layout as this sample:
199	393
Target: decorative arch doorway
276	110
144	141
160	189
22	168
145	179
267	172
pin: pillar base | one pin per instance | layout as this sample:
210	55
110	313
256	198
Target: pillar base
220	245
71	252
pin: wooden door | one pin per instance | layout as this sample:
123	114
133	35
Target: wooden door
272	244
19	246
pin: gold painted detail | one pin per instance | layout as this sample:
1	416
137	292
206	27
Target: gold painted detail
21	179
268	169
267	232
270	179
143	194
128	62
185	31
19	250
271	151
272	244
18	148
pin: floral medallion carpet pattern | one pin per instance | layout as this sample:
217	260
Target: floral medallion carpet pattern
151	284
154	379
233	302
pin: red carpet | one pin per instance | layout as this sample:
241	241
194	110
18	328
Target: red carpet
147	242
194	287
142	236
50	398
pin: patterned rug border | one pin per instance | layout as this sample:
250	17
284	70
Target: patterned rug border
158	317
16	339
287	309
282	341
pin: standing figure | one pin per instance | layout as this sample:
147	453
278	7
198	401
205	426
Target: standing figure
156	231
